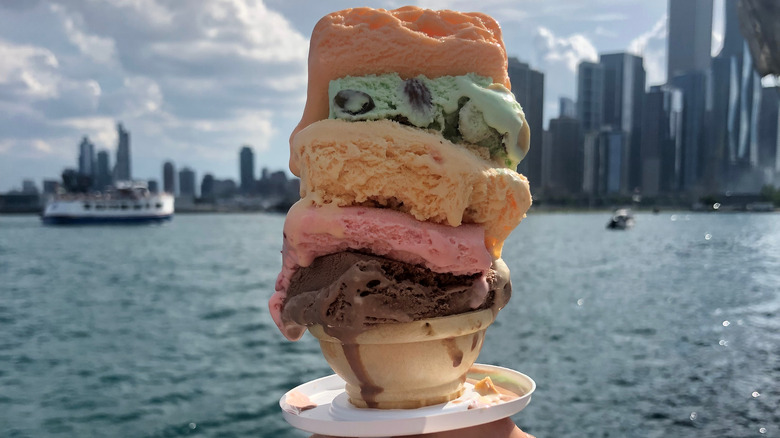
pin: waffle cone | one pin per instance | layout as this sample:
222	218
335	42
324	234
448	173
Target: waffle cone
407	365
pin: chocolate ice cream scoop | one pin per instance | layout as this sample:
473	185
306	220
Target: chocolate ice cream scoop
349	291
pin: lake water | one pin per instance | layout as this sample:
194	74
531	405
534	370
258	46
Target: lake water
671	329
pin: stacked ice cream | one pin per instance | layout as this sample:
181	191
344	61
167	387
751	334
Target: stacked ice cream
406	153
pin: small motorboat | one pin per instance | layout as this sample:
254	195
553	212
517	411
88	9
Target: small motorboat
622	219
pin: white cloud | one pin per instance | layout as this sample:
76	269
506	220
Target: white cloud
101	130
34	148
611	16
31	77
604	32
565	51
651	45
100	49
27	72
558	58
41	146
137	96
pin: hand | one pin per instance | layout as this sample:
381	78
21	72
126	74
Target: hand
498	429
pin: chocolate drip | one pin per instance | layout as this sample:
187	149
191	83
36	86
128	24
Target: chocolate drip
368	389
455	354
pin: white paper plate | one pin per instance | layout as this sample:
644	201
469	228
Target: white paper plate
334	415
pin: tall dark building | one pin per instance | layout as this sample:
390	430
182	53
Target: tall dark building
690	36
103	171
769	134
566	157
736	99
590	95
122	167
153	186
604	162
87	158
695	153
624	91
662	137
528	88
247	162
207	186
567	107
733	41
50	186
169	178
187	183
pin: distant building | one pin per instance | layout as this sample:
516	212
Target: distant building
528	88
590	163
695	153
567	108
247	164
604	157
566	157
87	158
624	90
613	154
153	186
29	187
207	186
224	188
689	36
17	202
769	134
736	99
187	183
103	171
122	171
590	95
661	148
50	186
169	178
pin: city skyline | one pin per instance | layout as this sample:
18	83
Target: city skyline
194	107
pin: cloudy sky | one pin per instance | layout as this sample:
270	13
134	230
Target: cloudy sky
193	81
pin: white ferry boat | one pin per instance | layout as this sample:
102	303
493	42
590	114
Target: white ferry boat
126	203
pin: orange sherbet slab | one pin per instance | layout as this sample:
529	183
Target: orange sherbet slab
409	41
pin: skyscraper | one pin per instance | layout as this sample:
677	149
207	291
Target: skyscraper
122	167
247	164
769	134
187	183
566	156
590	95
528	88
690	36
661	149
87	158
207	186
169	178
736	99
103	171
604	162
624	90
567	108
695	153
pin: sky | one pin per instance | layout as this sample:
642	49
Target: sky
194	81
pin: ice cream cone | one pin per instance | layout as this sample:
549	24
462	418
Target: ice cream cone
407	365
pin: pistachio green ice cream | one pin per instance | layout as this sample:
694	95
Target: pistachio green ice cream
464	109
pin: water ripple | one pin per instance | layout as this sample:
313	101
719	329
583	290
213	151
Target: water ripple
171	336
